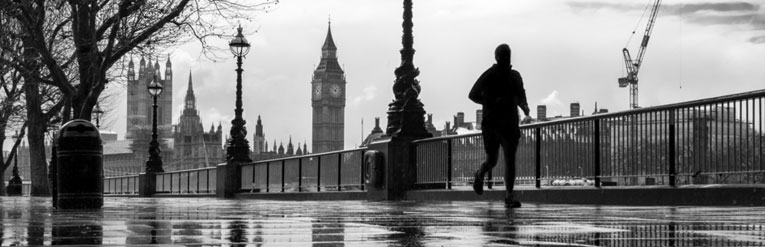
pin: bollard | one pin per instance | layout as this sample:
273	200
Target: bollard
79	166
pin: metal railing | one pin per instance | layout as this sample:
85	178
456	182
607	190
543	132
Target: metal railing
194	181
709	141
333	171
122	185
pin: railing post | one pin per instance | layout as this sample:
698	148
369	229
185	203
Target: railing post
363	170
538	157
490	181
339	171
672	158
300	174
283	175
449	164
228	180
596	141
318	173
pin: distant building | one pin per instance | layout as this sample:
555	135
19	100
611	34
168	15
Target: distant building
140	108
575	108
541	113
599	111
139	102
428	126
258	139
192	146
328	100
260	149
478	118
120	160
377	133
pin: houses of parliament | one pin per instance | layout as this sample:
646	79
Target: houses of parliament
189	144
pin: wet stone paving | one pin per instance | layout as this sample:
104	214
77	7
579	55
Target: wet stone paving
210	221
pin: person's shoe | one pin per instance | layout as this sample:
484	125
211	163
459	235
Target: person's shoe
478	183
510	203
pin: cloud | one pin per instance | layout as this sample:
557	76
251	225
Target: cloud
368	93
552	99
669	9
584	6
755	21
726	13
758	39
681	9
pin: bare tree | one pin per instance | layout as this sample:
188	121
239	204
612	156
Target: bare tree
11	114
89	37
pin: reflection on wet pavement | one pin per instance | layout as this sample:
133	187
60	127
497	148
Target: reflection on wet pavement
209	221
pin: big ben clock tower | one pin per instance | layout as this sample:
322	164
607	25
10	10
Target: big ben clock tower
328	100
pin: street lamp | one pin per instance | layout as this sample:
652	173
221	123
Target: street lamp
154	163
406	114
238	148
99	113
14	185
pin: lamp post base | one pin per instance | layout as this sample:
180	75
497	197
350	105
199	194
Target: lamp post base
14	187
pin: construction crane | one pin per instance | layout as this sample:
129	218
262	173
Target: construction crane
633	66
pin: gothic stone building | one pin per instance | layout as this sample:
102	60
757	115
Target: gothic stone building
140	111
193	147
260	149
328	100
139	102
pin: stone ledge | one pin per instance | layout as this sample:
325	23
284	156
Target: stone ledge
717	195
306	196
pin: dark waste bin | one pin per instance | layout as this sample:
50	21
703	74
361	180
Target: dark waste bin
79	166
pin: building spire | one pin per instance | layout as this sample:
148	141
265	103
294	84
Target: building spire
329	43
259	128
190	98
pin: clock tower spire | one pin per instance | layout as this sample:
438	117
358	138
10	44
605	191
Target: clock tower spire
328	99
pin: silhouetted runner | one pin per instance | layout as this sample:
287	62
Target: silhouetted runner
500	91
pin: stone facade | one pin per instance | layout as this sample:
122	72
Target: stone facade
328	100
193	146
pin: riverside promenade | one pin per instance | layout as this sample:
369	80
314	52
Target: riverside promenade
215	222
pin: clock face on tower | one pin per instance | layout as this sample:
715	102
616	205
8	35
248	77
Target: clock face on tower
317	91
335	91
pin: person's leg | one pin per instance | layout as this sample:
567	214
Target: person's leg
509	148
491	145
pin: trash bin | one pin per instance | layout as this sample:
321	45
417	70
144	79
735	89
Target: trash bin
79	166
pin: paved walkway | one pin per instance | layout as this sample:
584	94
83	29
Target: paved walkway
209	221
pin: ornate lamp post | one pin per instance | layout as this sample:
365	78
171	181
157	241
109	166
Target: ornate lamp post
154	163
99	113
238	148
406	115
14	185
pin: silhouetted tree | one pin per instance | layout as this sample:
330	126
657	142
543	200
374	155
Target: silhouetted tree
89	37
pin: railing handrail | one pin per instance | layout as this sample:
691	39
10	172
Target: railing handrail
308	156
189	170
122	176
693	103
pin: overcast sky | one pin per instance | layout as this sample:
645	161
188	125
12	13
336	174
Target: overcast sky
567	51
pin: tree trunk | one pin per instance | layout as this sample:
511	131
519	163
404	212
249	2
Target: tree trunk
36	126
84	15
2	185
38	163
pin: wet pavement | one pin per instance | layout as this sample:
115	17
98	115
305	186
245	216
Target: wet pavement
209	221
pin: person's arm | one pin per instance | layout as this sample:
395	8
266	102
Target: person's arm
478	92
520	93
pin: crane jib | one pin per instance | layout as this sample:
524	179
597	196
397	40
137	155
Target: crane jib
633	66
645	41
